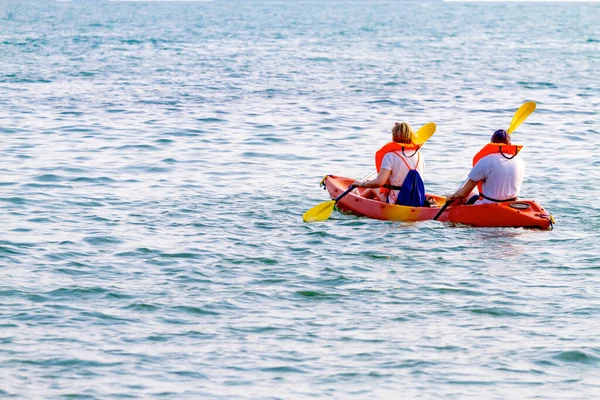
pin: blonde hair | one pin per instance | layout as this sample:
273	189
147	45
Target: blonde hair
402	133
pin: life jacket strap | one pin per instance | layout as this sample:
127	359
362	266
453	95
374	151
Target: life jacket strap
405	163
496	200
416	151
508	157
393	187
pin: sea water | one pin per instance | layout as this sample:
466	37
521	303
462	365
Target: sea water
157	157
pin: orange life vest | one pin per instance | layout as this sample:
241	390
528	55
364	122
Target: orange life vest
394	147
507	150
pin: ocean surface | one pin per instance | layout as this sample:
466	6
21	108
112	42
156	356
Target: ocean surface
156	159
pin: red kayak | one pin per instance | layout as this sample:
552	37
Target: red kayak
510	214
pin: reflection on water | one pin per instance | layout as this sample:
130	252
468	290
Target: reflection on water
500	243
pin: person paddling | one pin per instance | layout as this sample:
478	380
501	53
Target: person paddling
400	169
498	172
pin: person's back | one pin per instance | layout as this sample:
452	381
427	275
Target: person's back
498	172
501	177
400	165
394	163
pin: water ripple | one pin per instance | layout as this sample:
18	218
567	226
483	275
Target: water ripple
158	158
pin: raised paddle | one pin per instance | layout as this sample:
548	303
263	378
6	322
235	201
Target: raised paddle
424	133
522	113
322	211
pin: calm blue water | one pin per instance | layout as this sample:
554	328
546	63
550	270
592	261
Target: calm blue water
156	159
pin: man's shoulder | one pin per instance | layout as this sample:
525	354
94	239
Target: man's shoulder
489	159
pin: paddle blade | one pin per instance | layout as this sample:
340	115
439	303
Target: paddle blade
522	113
424	133
320	212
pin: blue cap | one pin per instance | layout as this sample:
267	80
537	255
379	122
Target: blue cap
500	136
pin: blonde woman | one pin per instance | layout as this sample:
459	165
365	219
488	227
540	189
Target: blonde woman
394	161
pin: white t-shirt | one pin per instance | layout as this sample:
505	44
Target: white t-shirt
502	178
394	163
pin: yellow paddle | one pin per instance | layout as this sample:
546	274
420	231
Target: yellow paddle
322	211
522	113
424	133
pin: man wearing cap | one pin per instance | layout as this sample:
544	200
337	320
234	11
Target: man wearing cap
498	170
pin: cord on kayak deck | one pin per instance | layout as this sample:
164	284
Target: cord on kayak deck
322	183
552	221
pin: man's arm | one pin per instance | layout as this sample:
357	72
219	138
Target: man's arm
464	190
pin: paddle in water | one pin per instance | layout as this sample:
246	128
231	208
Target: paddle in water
322	211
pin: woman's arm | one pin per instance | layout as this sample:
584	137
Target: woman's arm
379	181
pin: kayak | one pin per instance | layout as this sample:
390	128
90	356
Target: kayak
509	214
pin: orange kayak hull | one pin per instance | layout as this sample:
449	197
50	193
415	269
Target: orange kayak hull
514	214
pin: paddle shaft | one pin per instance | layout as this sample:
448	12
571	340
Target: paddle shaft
351	188
442	210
